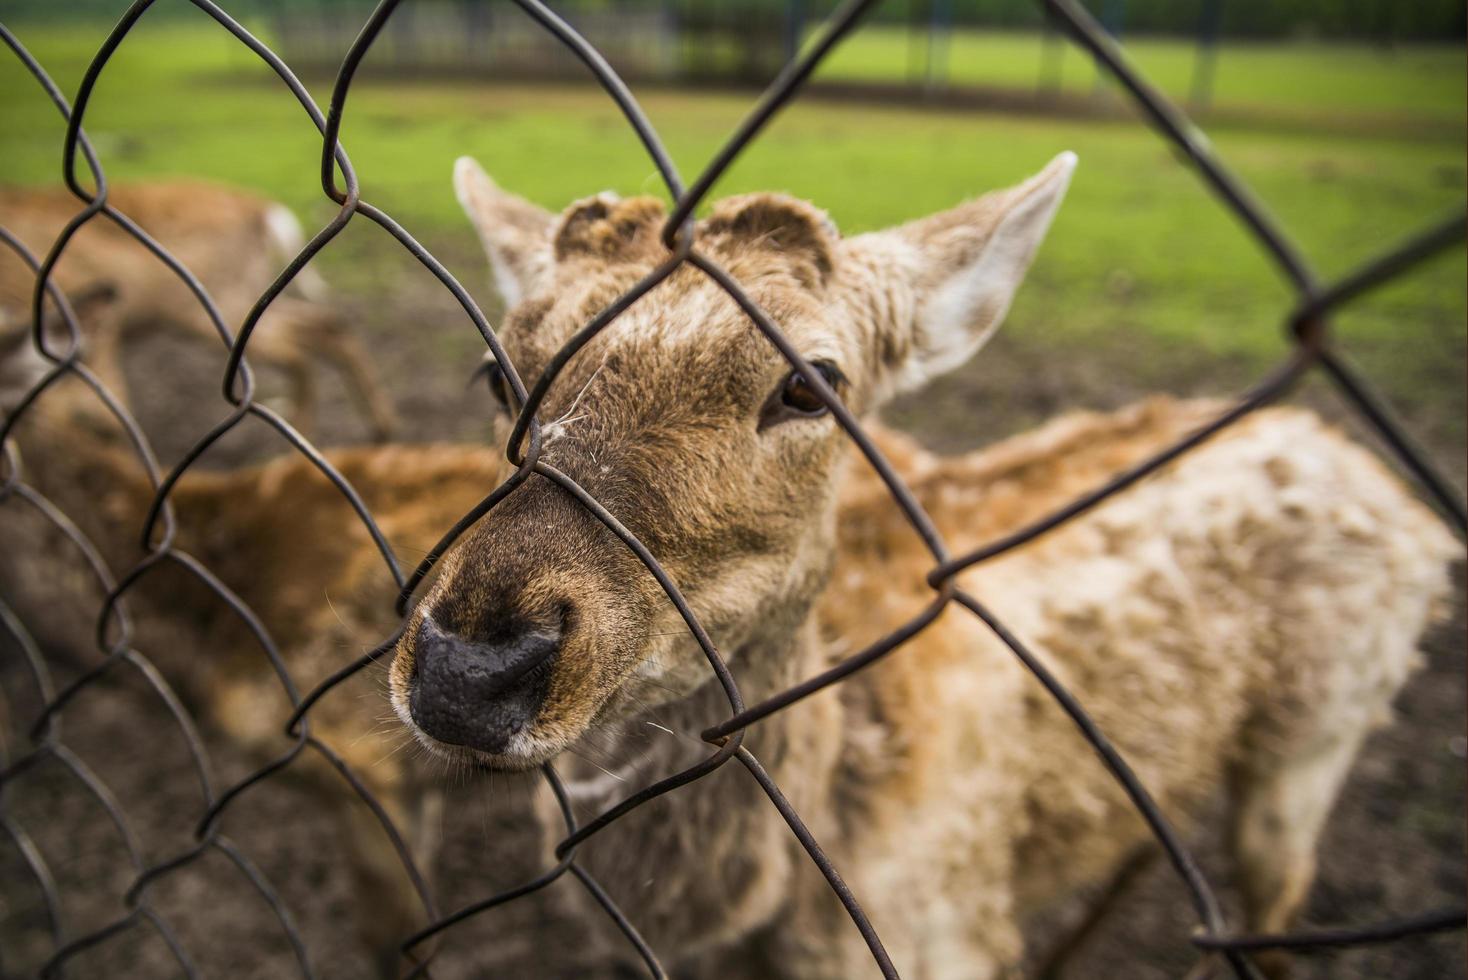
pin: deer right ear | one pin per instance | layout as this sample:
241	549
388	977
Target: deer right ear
934	290
516	234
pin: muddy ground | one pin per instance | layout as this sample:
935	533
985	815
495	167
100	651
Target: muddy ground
1394	846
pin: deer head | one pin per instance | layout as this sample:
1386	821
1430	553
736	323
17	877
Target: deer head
685	423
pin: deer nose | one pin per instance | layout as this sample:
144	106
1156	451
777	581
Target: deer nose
475	693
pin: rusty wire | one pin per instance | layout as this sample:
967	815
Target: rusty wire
1310	346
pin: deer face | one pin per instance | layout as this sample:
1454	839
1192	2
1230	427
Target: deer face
688	426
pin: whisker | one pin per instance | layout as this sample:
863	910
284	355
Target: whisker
619	778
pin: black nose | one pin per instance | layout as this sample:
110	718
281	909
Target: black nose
479	694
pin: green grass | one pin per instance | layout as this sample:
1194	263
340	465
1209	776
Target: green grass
1140	249
1287	79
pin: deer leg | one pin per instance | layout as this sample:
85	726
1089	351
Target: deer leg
349	357
393	911
1097	913
278	341
325	333
102	354
1281	804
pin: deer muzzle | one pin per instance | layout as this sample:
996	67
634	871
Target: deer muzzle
479	694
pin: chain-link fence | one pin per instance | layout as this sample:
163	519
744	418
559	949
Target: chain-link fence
1312	349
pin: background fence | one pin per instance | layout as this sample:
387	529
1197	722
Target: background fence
919	49
1312	349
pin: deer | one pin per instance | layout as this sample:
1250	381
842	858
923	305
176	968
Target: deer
1241	619
69	453
234	241
1279	567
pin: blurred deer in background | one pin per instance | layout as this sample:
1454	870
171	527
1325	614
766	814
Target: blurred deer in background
278	536
234	242
1240	620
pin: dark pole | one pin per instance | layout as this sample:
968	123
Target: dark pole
476	31
940	23
1052	50
404	37
1205	62
1113	18
914	14
794	28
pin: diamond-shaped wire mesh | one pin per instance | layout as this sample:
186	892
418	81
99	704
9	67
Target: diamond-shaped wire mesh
1312	348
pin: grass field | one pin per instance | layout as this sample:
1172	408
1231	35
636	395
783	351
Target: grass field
1139	253
1282	79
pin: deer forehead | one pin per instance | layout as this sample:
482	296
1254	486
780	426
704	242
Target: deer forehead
685	339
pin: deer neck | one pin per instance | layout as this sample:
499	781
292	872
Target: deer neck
622	755
710	864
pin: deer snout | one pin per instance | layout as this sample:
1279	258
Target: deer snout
479	694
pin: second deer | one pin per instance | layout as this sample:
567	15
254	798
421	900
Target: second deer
233	241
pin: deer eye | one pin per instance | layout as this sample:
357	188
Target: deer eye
796	398
494	377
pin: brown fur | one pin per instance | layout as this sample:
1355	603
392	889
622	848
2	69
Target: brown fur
233	241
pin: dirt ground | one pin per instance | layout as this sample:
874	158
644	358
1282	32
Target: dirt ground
1394	846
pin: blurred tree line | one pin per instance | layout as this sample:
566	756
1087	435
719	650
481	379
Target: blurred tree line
1381	20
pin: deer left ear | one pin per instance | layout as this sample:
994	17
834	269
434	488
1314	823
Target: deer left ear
515	233
945	282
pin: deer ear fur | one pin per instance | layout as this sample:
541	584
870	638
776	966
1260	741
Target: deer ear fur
515	233
948	279
610	229
798	231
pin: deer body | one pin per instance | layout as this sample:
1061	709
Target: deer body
952	794
1241	619
956	798
1244	618
233	241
